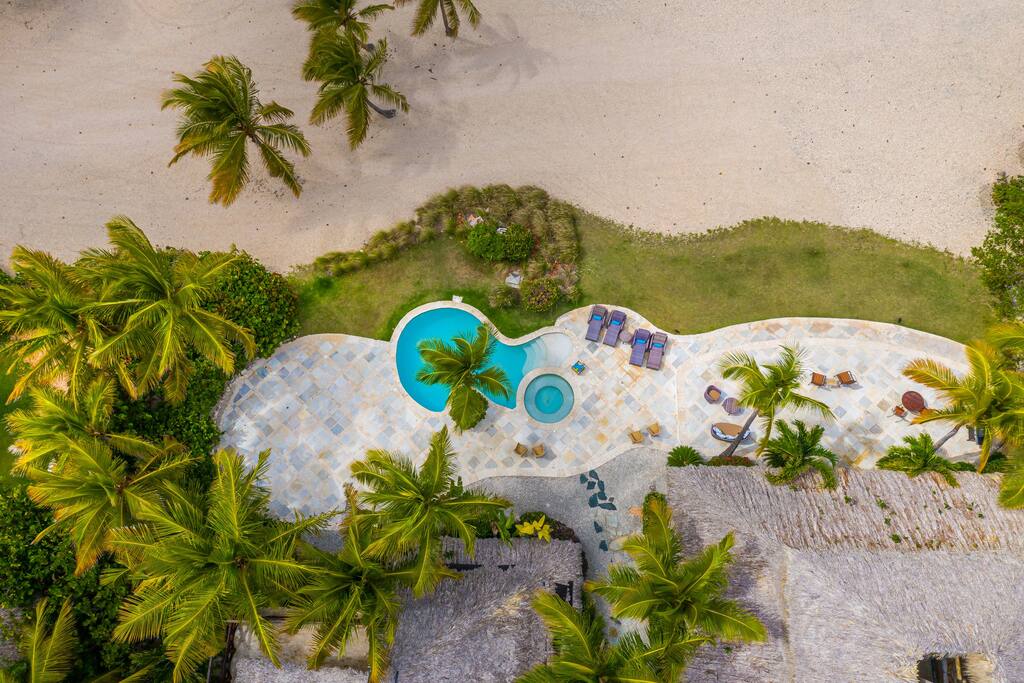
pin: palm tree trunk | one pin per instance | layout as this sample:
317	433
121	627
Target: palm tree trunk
947	437
736	444
444	18
386	113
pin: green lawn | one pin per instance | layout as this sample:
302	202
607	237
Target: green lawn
760	269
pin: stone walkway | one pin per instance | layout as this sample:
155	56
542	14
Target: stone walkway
322	401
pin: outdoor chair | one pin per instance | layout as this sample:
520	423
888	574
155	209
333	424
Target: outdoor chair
728	432
641	340
712	394
596	324
658	343
818	379
521	450
636	437
846	378
654	430
538	451
616	323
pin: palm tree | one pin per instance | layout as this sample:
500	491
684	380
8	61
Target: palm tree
413	508
49	653
681	597
221	113
204	560
769	388
54	420
154	299
428	10
348	78
350	590
464	367
338	16
917	457
794	453
46	324
989	397
96	491
582	652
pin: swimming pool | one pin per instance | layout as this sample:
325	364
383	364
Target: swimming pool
547	350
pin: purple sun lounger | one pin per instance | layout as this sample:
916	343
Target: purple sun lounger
658	343
615	325
641	340
597	316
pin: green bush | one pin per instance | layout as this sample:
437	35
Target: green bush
502	297
1001	254
539	295
518	243
682	456
730	461
485	242
262	301
45	569
190	422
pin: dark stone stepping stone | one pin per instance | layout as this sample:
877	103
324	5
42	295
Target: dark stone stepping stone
583	479
598	528
603	545
593	501
590	485
607	506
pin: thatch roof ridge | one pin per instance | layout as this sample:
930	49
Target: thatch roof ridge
870	509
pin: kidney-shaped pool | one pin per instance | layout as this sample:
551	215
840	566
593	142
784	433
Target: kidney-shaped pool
551	349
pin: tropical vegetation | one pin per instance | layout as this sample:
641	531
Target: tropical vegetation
427	12
339	16
221	114
350	590
918	455
768	388
1001	255
797	450
989	397
48	650
464	366
412	508
349	80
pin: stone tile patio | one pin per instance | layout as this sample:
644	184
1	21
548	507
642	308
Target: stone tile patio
322	401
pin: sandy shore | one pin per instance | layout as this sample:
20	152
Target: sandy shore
675	116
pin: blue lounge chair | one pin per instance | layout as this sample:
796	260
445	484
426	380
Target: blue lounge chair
597	316
615	325
641	340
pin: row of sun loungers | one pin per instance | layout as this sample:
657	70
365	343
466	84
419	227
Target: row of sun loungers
643	344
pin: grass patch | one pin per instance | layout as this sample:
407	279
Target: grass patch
765	268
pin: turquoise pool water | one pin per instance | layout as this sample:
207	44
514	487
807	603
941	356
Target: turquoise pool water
548	398
447	323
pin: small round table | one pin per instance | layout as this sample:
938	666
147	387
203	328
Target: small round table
913	401
732	406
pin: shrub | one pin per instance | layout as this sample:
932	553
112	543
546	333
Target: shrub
45	569
259	300
503	296
1001	254
559	531
682	456
485	242
539	295
518	243
730	461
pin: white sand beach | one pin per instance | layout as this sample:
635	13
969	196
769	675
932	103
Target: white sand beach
674	116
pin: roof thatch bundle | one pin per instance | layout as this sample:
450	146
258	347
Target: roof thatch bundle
482	628
859	583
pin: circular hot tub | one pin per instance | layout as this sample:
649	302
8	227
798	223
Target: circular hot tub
548	398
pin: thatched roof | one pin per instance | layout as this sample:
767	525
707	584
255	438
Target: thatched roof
843	599
482	627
